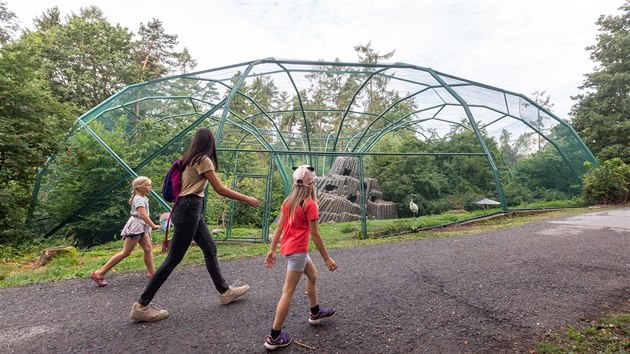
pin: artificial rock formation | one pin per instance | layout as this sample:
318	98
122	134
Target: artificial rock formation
338	195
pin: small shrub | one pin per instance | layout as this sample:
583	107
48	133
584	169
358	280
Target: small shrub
608	183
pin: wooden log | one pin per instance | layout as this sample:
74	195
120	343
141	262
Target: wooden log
50	253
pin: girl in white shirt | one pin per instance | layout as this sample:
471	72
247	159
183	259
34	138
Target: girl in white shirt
137	230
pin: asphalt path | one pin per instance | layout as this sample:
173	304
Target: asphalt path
490	292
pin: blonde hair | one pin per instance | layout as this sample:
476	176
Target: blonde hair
299	193
139	181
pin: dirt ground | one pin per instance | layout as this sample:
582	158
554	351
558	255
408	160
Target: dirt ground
493	292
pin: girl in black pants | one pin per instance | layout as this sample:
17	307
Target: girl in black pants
198	163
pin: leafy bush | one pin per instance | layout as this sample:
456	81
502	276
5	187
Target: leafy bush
608	183
557	203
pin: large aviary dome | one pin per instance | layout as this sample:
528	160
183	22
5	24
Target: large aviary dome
271	114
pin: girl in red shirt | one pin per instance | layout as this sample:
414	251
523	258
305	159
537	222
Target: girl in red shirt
298	221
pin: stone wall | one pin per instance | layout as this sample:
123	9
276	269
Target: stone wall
338	195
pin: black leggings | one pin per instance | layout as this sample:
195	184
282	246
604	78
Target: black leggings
189	224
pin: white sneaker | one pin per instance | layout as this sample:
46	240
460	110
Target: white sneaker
147	313
233	293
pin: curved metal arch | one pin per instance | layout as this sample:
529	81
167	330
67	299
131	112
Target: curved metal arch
495	171
230	97
367	140
351	102
299	98
399	124
559	150
254	132
266	116
383	114
564	124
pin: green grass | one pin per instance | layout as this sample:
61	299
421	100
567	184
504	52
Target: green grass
611	334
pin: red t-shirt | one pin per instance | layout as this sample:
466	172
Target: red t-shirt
296	235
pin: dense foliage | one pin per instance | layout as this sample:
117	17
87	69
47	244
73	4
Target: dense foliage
608	183
602	112
50	75
32	125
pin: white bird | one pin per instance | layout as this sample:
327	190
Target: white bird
413	207
216	232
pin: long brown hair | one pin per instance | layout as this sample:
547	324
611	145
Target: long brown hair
202	144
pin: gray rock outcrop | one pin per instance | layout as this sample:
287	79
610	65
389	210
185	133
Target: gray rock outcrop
338	195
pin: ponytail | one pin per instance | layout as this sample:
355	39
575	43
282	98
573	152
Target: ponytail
133	194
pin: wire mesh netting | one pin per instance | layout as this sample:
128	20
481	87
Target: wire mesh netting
379	136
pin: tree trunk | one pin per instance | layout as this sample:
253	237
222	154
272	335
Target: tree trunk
49	253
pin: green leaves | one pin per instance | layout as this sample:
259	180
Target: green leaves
32	125
608	183
47	78
602	113
155	52
8	23
87	59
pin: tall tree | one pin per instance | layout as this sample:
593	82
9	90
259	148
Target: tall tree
48	19
51	74
543	99
185	62
336	88
86	58
155	51
509	153
602	112
368	55
8	23
32	124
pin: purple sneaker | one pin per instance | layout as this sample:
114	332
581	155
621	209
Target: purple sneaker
283	340
324	312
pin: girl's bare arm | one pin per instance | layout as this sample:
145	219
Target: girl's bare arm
270	259
319	243
142	213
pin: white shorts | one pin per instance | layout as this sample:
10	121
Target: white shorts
296	262
135	226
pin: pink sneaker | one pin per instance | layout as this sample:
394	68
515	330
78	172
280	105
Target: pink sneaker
100	281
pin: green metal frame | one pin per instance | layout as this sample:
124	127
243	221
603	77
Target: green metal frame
432	94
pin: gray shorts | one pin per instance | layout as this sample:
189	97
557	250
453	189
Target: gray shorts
296	262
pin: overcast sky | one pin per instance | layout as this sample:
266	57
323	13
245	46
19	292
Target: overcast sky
521	46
